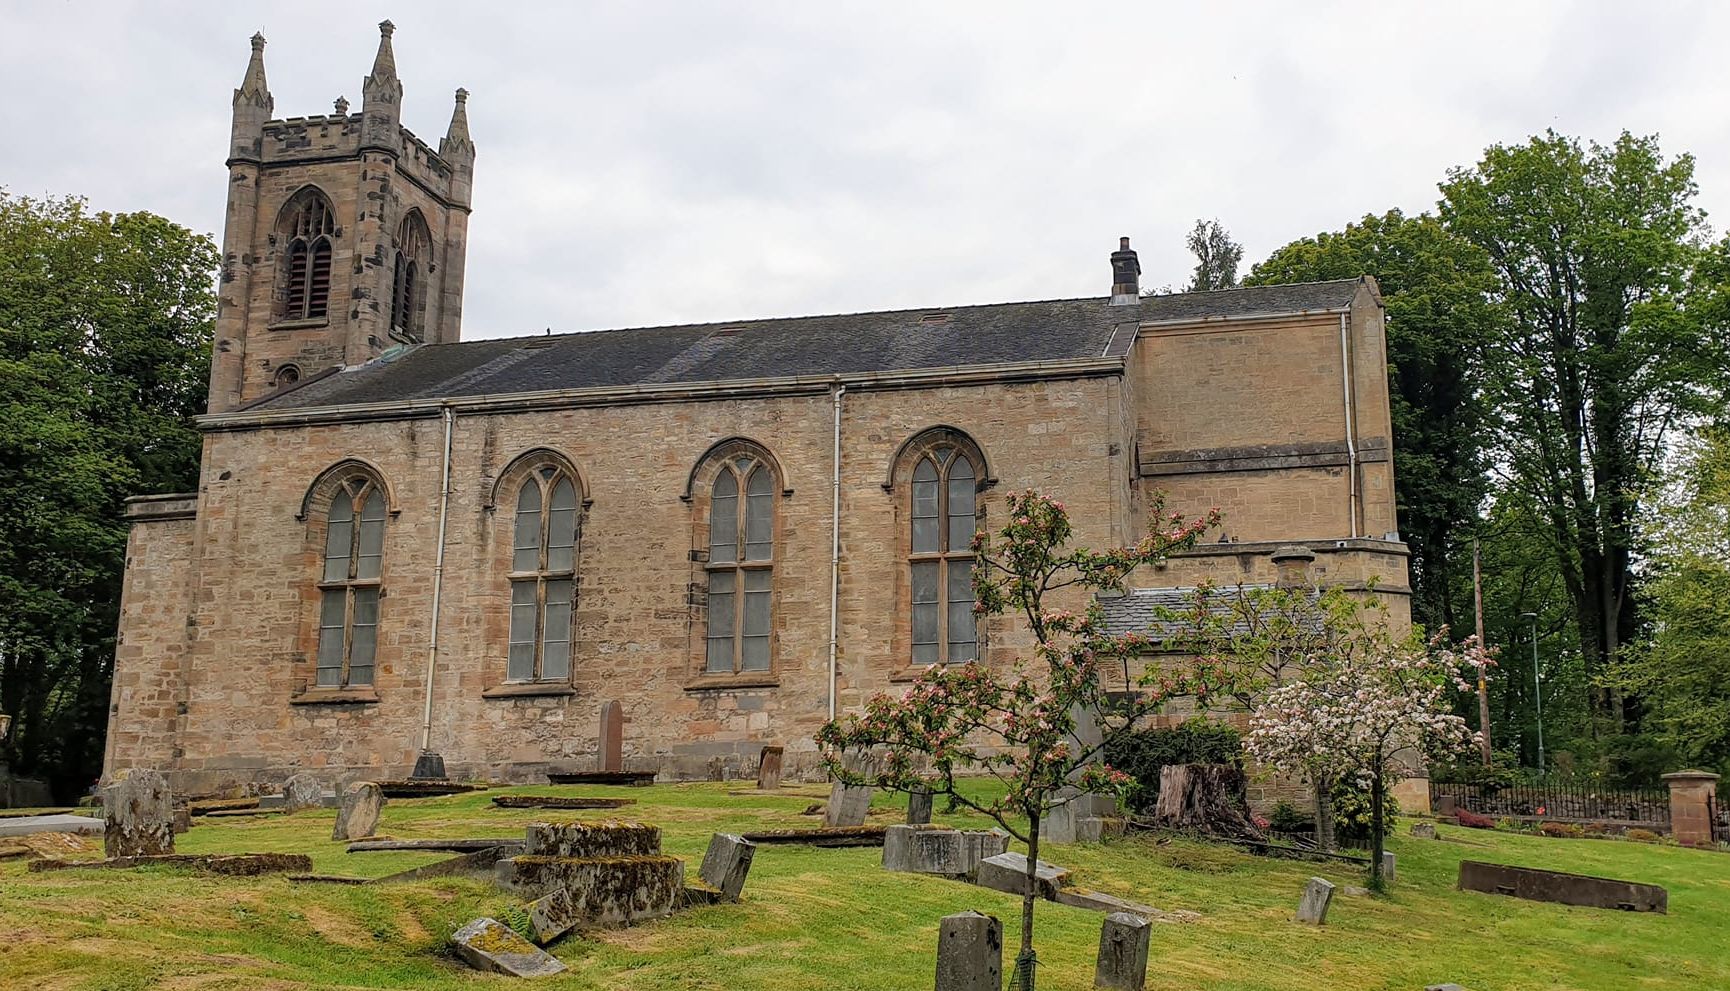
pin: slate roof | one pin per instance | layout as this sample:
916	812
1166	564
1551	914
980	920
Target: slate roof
1138	611
855	343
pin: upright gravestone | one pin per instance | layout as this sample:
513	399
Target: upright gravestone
612	751
769	769
1122	960
970	953
1387	867
1313	906
358	816
138	814
726	864
302	791
850	804
918	808
1424	830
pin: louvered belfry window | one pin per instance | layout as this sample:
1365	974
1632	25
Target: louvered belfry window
543	577
308	226
741	567
414	246
349	585
940	560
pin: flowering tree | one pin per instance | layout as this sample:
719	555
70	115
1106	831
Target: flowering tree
1018	722
1347	715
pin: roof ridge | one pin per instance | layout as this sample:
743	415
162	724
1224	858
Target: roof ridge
1270	285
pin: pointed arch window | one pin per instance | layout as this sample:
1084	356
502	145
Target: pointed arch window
349	584
308	225
740	567
413	245
543	576
944	507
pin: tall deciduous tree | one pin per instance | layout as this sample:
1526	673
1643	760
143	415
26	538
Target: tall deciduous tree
1437	288
105	329
1605	354
1216	257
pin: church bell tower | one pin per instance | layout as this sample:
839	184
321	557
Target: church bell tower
345	235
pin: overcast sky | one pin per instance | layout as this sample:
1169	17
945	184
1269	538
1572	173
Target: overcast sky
665	162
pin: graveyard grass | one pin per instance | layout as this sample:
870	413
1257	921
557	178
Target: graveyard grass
832	919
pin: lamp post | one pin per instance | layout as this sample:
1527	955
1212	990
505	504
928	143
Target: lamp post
1537	686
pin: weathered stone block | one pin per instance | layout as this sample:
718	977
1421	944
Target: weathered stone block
918	808
605	891
1557	886
1101	902
726	864
491	946
608	838
1122	961
358	816
302	791
1388	864
1313	905
138	814
1008	872
848	806
929	849
969	953
1424	830
769	768
612	752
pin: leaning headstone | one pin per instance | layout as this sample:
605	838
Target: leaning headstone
302	791
1387	867
358	816
727	862
769	769
489	945
918	808
554	914
848	805
138	814
1122	960
1424	830
612	749
1008	872
1313	906
970	953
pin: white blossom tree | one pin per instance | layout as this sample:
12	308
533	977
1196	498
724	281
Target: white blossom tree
1348	715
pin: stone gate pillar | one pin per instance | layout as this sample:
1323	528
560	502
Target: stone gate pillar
1692	797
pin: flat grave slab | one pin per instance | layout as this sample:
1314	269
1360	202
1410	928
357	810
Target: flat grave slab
57	823
426	789
636	779
560	802
1561	887
454	845
825	837
234	865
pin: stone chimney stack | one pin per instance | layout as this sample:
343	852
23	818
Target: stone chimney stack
1125	275
1292	566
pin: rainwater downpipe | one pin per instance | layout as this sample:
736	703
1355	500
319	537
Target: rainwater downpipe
835	550
437	584
1351	424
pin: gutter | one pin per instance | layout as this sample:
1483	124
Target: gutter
429	762
1351	424
835	554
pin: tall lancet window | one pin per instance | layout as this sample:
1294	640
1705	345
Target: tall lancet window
543	576
942	506
408	295
349	584
741	566
304	231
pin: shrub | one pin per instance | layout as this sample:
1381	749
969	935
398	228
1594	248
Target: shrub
1641	835
1352	814
1570	830
1141	755
1286	818
1472	820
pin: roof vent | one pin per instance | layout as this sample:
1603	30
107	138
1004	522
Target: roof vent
934	318
537	346
728	332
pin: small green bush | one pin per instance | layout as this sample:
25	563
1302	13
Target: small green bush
1569	830
1639	835
1198	741
1286	818
1352	814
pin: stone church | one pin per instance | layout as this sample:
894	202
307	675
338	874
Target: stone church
403	543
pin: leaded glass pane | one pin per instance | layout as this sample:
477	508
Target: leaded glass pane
959	601
721	621
371	536
556	646
925	612
562	527
754	646
526	547
925	520
522	657
759	516
724	520
961	504
330	632
363	637
338	538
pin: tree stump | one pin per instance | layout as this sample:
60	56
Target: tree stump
1204	798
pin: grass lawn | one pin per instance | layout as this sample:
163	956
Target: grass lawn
832	919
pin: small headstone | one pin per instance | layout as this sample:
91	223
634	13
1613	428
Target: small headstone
769	769
1122	960
929	849
138	814
1008	872
491	946
554	914
1446	806
302	791
727	862
1313	906
848	806
1424	830
358	816
1387	867
612	751
970	953
918	808
182	820
1443	987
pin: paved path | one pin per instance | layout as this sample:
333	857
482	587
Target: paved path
25	825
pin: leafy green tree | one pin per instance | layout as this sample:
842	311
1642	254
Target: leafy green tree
105	330
1595	249
1437	288
1216	257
